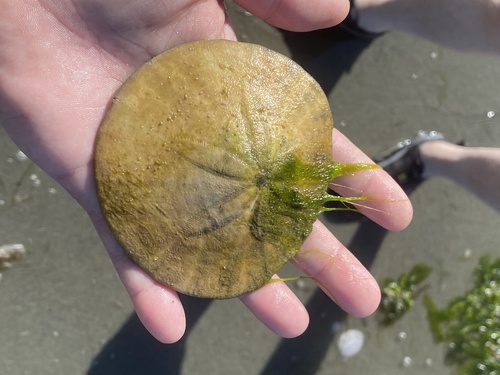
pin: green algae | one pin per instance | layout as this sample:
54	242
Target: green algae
470	324
398	296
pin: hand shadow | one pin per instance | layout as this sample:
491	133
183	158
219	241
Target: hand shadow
325	54
134	351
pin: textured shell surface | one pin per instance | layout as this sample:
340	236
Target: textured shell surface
212	164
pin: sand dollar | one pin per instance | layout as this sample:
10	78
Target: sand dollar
212	164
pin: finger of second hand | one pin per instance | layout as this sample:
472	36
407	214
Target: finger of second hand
278	308
338	272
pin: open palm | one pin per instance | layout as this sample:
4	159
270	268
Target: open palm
61	61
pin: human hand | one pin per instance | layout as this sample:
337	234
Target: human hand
61	61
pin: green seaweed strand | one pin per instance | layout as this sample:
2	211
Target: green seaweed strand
292	194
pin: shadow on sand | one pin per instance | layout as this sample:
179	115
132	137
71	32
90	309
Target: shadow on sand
325	54
134	351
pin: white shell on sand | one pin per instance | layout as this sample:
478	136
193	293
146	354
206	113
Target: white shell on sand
350	342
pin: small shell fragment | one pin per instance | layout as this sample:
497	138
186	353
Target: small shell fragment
350	342
10	253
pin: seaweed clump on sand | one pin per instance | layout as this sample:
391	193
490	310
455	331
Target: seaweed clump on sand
398	296
470	324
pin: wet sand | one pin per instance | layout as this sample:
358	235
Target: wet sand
64	311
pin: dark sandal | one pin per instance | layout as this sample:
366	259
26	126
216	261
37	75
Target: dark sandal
350	24
403	161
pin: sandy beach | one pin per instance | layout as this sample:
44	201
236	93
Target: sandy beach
64	310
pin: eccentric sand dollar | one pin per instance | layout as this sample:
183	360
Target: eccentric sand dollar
213	163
